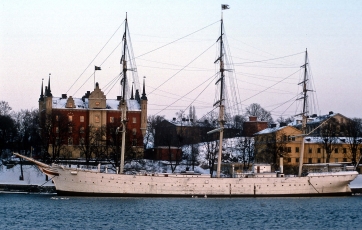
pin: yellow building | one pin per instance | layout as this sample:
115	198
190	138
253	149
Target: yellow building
273	143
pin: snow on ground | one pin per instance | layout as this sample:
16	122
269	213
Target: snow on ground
357	183
32	176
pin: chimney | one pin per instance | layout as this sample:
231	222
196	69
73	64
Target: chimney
119	98
174	119
282	124
64	96
330	112
252	118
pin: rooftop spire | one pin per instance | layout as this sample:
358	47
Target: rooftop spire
49	92
144	91
132	98
41	91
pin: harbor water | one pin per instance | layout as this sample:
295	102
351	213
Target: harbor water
44	211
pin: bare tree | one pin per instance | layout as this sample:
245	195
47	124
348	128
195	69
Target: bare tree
270	147
5	109
353	134
61	134
328	135
286	120
8	133
246	156
152	122
191	155
257	111
92	143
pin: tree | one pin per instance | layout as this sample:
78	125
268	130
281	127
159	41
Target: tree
152	122
27	125
192	113
61	134
270	147
238	121
5	109
210	141
7	133
92	143
328	136
192	155
247	150
287	120
353	135
257	111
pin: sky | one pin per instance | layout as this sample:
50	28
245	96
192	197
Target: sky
267	41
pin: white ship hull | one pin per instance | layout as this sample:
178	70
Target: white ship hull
69	181
90	183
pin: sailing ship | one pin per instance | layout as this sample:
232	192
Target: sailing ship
83	182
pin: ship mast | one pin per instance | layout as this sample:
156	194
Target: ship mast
220	102
123	102
304	112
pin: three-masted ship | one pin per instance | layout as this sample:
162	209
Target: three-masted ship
82	182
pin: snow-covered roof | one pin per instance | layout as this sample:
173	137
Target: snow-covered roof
270	130
111	104
319	140
315	120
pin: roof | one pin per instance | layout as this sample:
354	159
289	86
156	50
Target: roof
111	104
275	129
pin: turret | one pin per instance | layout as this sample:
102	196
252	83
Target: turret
143	109
41	98
48	98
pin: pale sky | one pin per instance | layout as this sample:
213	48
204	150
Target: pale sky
63	37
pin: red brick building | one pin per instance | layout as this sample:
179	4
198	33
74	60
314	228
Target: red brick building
253	126
70	124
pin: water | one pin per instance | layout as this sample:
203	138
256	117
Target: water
39	211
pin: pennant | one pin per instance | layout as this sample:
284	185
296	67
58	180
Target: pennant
97	68
225	7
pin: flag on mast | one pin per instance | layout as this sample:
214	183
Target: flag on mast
224	7
97	68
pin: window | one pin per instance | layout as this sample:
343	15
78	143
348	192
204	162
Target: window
289	160
336	150
134	142
297	160
310	161
297	149
57	129
111	119
70	118
70	141
289	149
81	118
319	160
57	141
96	118
70	129
134	131
81	130
134	120
97	103
344	159
82	140
344	150
293	138
336	160
310	150
318	150
57	118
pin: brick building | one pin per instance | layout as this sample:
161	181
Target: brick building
71	126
